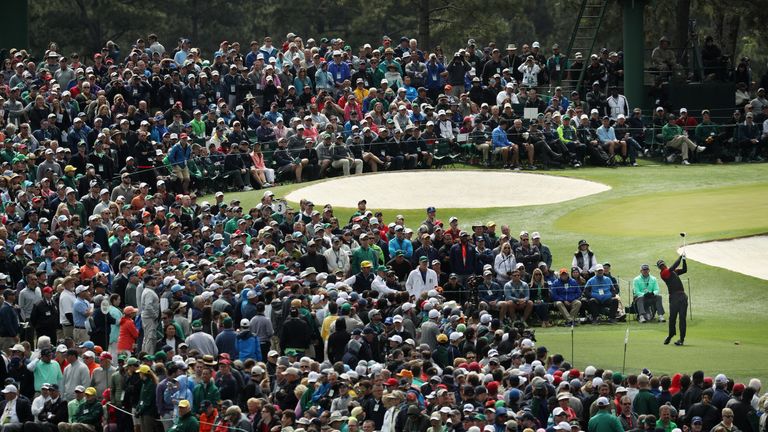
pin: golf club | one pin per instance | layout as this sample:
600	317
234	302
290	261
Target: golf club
682	234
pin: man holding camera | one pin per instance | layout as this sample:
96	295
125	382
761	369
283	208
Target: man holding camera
645	289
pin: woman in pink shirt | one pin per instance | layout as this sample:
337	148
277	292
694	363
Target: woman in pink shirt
265	176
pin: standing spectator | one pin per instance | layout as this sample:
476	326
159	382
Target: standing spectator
81	312
76	374
9	321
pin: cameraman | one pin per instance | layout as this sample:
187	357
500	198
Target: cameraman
530	70
457	69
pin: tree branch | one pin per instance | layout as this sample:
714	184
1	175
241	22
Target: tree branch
438	9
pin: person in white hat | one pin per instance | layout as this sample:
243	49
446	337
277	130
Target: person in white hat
15	411
247	343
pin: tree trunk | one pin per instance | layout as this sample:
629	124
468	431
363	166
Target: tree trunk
195	22
719	23
424	30
731	40
683	14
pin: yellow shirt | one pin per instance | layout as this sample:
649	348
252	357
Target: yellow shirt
360	94
325	330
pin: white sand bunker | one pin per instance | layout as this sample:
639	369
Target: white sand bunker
747	255
447	189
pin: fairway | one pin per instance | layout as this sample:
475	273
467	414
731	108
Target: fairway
637	221
703	211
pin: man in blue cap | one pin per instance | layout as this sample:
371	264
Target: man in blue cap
431	219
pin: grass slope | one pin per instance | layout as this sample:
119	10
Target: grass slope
637	222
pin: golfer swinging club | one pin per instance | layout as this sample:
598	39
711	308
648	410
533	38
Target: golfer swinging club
678	300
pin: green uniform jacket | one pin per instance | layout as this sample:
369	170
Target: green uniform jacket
205	392
670	131
187	423
705	130
89	412
147	403
645	403
360	255
605	421
306	398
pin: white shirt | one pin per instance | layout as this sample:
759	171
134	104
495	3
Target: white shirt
379	284
503	95
337	259
66	303
38	404
416	284
9	413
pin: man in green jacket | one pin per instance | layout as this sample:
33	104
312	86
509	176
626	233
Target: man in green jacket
674	137
708	133
205	390
645	402
604	420
186	422
88	415
363	253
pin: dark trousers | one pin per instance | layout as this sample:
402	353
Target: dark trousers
264	349
595	306
678	305
396	163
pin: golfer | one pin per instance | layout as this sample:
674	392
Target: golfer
678	300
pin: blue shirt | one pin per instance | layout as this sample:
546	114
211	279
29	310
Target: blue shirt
492	292
433	79
606	134
339	72
79	309
599	288
519	292
499	138
404	245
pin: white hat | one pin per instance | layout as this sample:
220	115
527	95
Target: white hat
10	388
80	289
396	338
244	322
397	318
563	426
455	336
434	314
313	377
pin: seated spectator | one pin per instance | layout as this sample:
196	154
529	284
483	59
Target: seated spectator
646	294
599	292
566	292
675	137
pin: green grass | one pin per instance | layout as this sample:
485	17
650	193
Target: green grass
636	222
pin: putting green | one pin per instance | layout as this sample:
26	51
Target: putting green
705	211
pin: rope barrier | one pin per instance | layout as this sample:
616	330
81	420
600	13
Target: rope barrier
162	420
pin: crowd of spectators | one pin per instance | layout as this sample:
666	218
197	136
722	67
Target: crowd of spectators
252	116
128	304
